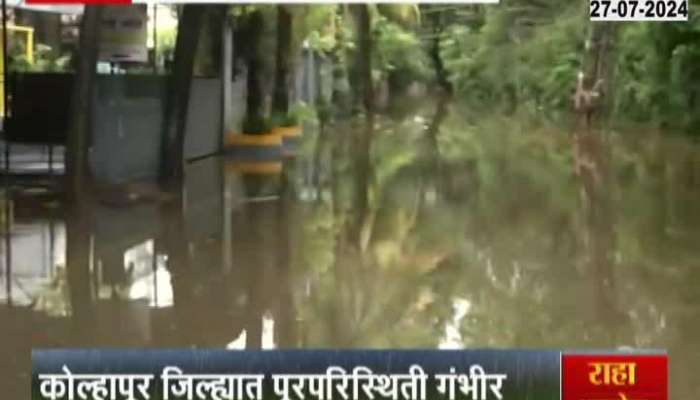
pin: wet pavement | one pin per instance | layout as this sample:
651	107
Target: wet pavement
449	234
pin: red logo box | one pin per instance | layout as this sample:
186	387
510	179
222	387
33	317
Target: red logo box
614	377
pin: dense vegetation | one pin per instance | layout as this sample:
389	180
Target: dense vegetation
521	56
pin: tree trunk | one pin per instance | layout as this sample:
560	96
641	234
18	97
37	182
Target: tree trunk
363	143
255	95
178	93
280	100
364	59
441	74
81	102
662	73
77	218
599	61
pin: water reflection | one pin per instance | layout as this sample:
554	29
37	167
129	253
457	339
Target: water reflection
424	231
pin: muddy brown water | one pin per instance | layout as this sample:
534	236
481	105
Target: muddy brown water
449	235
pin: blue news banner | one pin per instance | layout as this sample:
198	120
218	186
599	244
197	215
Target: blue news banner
295	374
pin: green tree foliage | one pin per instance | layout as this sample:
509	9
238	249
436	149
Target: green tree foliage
525	55
519	54
658	71
45	59
399	54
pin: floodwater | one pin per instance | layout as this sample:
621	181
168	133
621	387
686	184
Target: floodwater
448	233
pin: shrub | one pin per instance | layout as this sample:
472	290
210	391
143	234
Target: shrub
256	125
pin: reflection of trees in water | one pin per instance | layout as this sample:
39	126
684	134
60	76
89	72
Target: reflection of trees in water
592	168
183	275
373	288
363	175
435	163
211	307
78	241
262	250
534	252
541	258
286	330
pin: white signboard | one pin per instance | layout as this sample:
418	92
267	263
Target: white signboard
124	34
